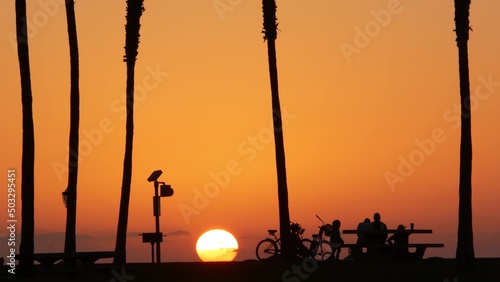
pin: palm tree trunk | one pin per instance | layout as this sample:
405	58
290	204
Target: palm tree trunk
465	243
270	31
134	12
26	264
70	237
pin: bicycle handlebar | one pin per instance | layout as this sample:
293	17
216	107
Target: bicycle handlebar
320	219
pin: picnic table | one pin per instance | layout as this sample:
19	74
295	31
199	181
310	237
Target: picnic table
386	251
378	231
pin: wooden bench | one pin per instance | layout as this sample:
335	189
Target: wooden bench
85	258
381	250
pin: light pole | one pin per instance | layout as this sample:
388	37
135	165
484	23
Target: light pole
165	191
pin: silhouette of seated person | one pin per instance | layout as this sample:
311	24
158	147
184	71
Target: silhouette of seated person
363	238
335	239
400	238
377	238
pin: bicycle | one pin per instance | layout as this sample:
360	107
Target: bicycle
268	248
321	249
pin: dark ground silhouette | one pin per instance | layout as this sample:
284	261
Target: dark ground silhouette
428	270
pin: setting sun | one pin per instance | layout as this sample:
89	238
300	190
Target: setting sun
217	245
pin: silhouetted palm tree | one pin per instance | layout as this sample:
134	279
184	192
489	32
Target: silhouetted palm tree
270	31
70	237
26	264
465	243
134	12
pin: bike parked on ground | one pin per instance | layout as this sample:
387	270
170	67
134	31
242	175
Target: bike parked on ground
321	248
268	248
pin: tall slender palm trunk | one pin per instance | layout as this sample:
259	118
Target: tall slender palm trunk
26	264
135	9
270	31
70	236
465	243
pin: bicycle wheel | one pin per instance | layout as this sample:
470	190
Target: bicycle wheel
305	250
313	248
326	256
266	250
323	252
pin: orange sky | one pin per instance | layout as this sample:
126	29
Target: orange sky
368	89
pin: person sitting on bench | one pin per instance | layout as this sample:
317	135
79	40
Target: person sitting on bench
379	225
335	239
363	238
400	238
